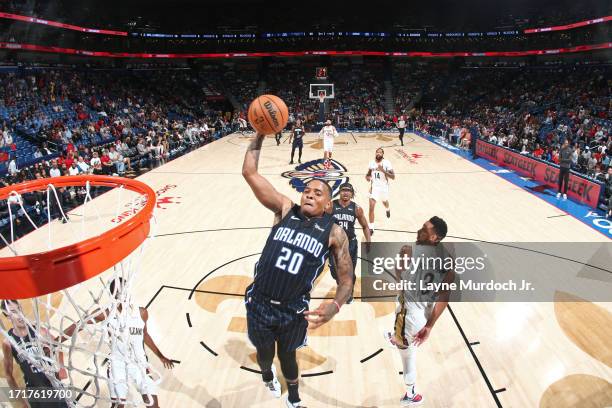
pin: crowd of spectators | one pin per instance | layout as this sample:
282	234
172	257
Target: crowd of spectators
71	122
531	110
122	122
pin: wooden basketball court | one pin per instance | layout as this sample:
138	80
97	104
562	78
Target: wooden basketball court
210	230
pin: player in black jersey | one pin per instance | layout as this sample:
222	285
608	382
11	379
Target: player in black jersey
346	212
23	335
295	252
297	135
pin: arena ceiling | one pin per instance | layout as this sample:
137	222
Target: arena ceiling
207	15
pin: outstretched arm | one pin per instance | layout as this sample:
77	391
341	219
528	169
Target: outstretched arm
8	363
263	189
338	242
441	303
364	223
96	316
150	343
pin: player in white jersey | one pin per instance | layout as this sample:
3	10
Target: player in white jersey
418	310
128	360
328	133
379	173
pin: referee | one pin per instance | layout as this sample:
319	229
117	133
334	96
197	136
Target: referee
401	126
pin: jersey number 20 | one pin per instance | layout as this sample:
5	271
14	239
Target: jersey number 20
289	261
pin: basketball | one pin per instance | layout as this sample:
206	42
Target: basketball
268	114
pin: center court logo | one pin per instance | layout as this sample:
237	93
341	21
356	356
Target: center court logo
303	173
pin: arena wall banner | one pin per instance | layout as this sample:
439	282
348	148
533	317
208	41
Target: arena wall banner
87	53
580	188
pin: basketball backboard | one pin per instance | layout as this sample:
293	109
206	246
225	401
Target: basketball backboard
317	90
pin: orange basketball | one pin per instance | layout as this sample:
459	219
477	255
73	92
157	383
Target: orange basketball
268	114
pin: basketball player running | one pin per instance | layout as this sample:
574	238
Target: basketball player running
418	311
346	212
278	136
297	135
127	357
379	173
295	252
23	335
328	133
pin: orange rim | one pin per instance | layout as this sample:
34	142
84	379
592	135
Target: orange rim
28	276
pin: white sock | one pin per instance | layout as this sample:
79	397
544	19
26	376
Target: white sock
410	390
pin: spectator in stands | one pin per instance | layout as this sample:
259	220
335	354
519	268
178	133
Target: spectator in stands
82	165
144	153
73	170
55	171
12	167
96	164
108	166
117	160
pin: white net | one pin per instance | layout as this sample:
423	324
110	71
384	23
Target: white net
85	341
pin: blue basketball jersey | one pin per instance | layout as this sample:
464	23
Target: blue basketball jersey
293	256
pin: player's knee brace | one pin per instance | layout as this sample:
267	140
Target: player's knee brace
289	365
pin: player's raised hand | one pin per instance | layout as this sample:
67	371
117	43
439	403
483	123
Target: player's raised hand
320	315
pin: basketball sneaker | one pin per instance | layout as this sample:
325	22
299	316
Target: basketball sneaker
294	404
558	195
327	165
412	400
565	196
274	386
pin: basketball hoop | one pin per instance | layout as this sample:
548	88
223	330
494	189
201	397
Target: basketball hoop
52	276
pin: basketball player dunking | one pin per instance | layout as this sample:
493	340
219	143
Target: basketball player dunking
328	133
346	212
27	339
127	357
297	135
294	254
418	311
379	173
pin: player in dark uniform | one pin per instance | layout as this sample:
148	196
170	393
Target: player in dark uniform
297	135
346	212
278	137
27	339
295	252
